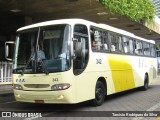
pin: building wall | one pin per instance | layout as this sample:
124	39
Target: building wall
157	5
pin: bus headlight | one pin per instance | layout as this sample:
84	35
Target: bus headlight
17	87
60	86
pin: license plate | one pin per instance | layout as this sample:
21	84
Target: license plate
39	101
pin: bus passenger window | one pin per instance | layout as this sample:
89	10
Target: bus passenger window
116	42
146	49
152	48
99	40
128	45
139	50
105	41
131	46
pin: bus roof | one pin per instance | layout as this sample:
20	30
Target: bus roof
113	29
147	40
60	21
88	23
110	28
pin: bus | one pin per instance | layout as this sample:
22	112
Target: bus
82	61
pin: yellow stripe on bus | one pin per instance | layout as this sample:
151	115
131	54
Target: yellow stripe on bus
122	72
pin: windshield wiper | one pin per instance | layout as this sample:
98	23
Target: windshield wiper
42	63
27	64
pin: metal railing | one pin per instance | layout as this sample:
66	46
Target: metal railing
5	73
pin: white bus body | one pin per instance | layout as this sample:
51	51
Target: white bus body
75	71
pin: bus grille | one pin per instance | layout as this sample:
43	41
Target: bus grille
36	85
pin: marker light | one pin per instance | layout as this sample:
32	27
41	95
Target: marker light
60	86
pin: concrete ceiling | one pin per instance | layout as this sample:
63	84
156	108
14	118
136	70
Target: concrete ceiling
42	10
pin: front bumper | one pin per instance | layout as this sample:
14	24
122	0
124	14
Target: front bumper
63	96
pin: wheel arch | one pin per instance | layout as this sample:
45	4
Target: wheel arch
103	80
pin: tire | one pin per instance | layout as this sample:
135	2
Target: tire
99	94
146	83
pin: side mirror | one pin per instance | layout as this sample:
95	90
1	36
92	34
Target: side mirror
9	47
77	48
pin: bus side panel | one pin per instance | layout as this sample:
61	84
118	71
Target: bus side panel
86	82
141	66
122	72
85	86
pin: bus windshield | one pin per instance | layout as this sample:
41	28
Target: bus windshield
42	50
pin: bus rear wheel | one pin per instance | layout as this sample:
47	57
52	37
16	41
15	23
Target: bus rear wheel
146	82
99	94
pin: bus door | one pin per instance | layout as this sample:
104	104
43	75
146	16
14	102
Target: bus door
81	49
80	61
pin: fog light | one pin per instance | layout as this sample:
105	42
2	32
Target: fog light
18	95
60	97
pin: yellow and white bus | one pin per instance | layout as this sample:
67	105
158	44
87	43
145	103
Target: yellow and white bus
74	60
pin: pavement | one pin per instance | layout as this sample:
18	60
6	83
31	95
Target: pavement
6	89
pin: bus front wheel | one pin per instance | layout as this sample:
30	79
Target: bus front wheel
99	94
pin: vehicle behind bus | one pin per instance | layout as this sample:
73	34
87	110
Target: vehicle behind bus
158	58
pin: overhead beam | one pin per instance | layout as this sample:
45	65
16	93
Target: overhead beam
155	26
